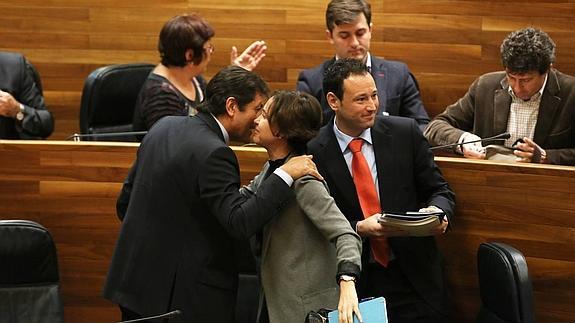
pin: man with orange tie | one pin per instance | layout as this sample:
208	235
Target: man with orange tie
383	164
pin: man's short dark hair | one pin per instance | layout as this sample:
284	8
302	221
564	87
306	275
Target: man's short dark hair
338	72
180	34
528	50
296	116
346	11
236	82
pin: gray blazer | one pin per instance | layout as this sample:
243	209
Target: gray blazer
303	250
484	111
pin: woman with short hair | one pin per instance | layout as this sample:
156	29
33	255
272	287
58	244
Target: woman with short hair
175	86
309	254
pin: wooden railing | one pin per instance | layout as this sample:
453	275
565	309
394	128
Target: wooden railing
71	189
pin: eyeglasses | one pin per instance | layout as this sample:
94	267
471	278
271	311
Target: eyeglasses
209	49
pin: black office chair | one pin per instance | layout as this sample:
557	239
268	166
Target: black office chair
29	279
108	100
504	284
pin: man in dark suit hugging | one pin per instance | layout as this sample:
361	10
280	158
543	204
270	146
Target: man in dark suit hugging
181	207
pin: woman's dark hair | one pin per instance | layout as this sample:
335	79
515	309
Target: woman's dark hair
180	34
296	116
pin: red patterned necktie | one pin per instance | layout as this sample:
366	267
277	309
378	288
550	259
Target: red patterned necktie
368	198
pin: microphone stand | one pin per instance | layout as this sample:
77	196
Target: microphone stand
505	135
162	316
77	137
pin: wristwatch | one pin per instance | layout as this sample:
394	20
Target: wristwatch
20	114
346	278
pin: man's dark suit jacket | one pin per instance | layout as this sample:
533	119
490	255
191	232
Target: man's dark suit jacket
17	78
181	210
397	89
408	179
484	111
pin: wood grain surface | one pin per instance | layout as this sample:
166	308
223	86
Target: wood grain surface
71	189
446	44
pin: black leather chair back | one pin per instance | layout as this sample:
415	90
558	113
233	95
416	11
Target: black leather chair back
109	97
505	286
29	280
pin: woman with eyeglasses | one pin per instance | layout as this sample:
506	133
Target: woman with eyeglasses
310	257
175	86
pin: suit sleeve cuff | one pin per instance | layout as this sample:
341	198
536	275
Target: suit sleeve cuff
284	176
348	268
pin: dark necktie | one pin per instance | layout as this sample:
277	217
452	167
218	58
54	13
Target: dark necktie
368	199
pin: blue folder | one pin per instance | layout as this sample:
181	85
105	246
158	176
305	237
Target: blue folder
372	311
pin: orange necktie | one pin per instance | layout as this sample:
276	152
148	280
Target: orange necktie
368	198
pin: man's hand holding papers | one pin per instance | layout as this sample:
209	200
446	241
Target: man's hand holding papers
425	222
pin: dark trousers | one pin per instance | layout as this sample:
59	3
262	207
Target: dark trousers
264	315
130	315
404	304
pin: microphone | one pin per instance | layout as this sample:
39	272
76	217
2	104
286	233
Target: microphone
168	315
505	135
77	137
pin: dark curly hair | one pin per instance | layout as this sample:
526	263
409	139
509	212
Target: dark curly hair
296	116
527	50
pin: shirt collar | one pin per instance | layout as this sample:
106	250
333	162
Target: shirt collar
536	95
343	139
224	131
367	61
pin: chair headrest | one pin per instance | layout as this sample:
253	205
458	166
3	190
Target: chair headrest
27	253
109	95
504	282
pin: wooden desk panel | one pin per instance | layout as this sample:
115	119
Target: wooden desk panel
71	188
66	40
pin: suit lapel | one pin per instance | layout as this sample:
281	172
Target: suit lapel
384	159
501	107
547	109
378	71
336	167
265	230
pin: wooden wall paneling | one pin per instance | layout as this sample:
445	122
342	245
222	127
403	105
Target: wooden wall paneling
437	39
521	206
71	188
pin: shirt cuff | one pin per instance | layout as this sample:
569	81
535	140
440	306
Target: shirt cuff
458	148
284	176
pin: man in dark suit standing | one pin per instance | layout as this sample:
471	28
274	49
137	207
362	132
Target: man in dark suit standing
402	176
181	207
349	31
23	113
